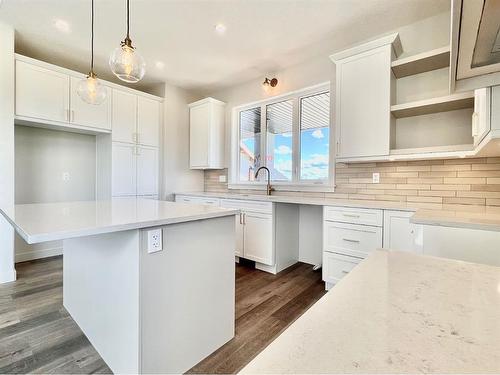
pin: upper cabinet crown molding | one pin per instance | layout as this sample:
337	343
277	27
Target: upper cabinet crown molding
475	53
392	39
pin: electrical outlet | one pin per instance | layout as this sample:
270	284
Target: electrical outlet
376	178
66	176
155	242
222	178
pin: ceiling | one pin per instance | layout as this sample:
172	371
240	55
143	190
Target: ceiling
262	36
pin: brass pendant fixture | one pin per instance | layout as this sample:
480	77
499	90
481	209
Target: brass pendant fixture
90	89
125	62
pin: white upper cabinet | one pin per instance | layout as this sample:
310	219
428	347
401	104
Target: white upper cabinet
148	121
124	175
481	115
206	125
41	93
124	115
363	99
147	170
84	114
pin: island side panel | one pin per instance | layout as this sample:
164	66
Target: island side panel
187	294
101	293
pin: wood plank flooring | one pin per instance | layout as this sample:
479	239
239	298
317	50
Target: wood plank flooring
37	335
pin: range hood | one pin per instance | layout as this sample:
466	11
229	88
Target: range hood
475	44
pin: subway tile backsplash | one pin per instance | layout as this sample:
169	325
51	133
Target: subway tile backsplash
426	184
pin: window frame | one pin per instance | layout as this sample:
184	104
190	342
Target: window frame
296	184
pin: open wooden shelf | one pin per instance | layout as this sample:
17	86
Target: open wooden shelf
423	62
442	104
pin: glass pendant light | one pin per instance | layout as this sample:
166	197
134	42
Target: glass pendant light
125	62
90	89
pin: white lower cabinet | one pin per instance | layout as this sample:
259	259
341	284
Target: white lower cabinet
197	200
336	266
254	230
258	234
347	240
400	234
124	170
147	170
134	170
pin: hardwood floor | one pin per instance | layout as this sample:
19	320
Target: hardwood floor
38	336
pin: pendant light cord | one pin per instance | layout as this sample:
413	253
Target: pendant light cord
92	39
128	19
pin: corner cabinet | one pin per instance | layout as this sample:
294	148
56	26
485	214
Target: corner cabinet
206	134
363	105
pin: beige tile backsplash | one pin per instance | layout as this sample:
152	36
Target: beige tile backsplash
426	184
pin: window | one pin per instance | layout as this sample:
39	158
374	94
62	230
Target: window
279	140
250	143
290	135
315	136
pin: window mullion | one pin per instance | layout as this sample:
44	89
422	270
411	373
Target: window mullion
296	141
263	138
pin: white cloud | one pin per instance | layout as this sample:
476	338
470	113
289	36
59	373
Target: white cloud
283	150
286	135
316	167
318	134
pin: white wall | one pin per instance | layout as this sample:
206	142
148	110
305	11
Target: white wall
42	156
427	34
176	173
7	271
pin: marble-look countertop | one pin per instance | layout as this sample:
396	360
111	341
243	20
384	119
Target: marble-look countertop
396	313
473	217
43	222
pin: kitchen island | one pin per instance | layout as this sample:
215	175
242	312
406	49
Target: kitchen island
157	307
396	313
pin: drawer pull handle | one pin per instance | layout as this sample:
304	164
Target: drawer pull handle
350	215
349	240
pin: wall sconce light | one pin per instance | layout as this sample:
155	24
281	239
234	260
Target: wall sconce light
273	82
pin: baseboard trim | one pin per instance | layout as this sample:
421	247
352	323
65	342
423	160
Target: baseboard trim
8	276
38	254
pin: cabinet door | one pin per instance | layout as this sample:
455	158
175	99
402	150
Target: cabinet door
336	266
199	136
258	237
124	169
82	113
148	121
41	93
363	104
400	234
481	115
238	251
124	116
147	170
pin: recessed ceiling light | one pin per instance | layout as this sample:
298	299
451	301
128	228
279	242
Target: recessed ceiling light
220	28
62	25
160	64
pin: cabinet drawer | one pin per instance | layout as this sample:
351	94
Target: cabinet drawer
365	216
197	200
336	266
351	239
253	206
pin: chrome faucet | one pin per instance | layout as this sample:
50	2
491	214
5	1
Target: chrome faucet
269	188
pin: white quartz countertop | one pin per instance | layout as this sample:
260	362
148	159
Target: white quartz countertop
56	221
297	199
396	313
472	217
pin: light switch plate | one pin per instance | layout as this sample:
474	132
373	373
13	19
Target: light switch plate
155	241
222	178
376	178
